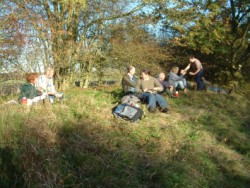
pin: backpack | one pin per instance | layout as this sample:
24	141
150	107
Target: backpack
130	100
128	112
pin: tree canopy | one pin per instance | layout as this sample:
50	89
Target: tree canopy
78	36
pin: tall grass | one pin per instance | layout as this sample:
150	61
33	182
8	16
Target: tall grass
202	142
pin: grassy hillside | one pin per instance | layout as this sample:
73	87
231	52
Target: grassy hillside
203	142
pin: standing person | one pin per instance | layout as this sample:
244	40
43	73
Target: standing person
197	71
45	83
167	87
29	94
147	88
176	80
128	81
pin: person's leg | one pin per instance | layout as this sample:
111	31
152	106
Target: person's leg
213	89
59	96
38	98
222	91
151	102
199	81
149	99
184	82
143	97
180	84
161	101
169	92
51	98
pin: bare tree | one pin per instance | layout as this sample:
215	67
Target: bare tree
70	32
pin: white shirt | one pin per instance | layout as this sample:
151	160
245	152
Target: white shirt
46	84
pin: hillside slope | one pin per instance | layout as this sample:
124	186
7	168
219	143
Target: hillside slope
203	142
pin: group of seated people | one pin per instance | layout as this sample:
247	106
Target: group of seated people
150	89
37	88
174	82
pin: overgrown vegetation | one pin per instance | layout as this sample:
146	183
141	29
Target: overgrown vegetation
203	142
83	38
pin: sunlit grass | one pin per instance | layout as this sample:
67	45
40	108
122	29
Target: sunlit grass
202	142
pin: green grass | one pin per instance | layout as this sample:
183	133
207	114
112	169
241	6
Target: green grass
203	142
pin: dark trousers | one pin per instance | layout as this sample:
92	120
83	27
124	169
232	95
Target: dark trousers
199	81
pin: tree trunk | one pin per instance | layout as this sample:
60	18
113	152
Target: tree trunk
87	73
86	80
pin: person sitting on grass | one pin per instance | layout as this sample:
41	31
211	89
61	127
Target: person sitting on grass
168	88
128	81
46	84
179	82
147	89
29	94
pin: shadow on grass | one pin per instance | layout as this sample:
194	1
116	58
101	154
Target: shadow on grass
89	155
99	158
10	174
96	157
225	116
233	131
83	153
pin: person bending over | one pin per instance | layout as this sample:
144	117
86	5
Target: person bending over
197	71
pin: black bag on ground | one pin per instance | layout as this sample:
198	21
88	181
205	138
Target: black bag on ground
128	112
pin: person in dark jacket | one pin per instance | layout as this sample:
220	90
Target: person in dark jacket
128	81
168	88
29	92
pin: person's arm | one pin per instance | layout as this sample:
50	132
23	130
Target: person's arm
174	77
187	67
196	72
39	92
126	81
157	86
183	72
165	84
138	86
